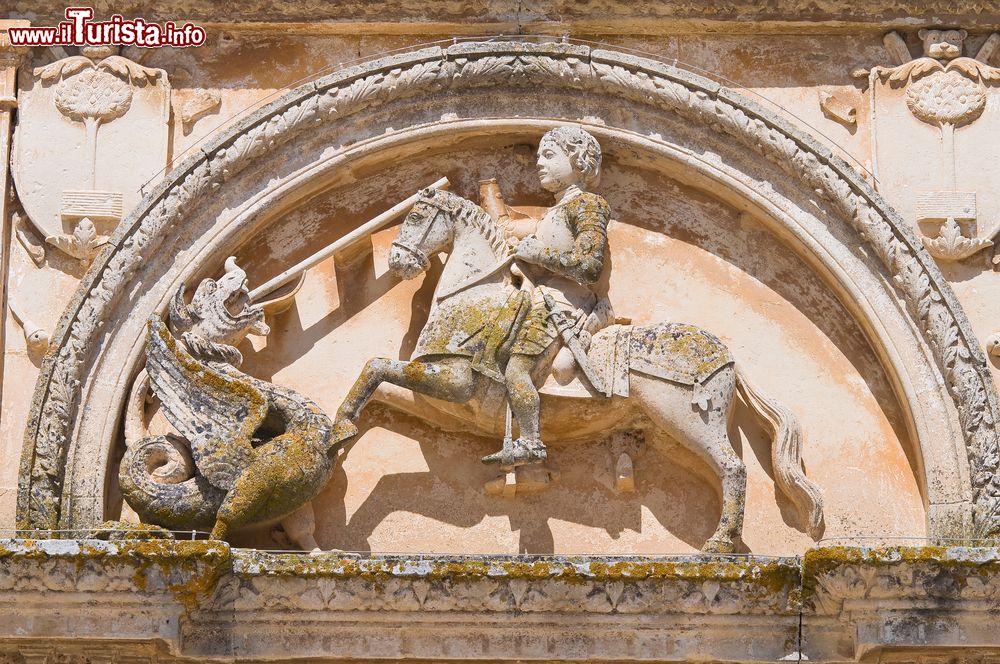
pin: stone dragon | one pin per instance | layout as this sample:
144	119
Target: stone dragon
252	452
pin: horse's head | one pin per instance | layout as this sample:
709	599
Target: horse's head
427	229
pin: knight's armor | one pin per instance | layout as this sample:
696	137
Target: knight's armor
572	271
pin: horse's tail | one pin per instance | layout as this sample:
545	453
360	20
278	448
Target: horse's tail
786	455
156	481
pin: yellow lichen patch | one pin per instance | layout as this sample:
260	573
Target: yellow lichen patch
678	351
190	570
764	578
948	569
187	569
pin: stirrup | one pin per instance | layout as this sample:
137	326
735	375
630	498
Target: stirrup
518	453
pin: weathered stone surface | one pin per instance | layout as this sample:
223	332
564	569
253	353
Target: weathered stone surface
198	599
810	181
744	15
527	67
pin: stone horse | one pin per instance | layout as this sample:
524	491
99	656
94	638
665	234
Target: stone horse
679	378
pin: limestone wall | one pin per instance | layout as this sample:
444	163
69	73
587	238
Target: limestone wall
684	249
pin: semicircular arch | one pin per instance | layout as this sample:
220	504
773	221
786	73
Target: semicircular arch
325	134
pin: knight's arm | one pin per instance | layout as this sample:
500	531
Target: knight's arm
589	216
520	228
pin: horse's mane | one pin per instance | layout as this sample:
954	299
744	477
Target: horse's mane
467	212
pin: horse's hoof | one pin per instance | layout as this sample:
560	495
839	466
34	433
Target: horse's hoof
519	453
719	546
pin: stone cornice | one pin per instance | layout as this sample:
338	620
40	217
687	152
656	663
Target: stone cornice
512	17
205	600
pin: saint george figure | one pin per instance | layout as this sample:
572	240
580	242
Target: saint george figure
563	262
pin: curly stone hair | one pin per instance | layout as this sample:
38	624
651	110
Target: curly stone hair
583	149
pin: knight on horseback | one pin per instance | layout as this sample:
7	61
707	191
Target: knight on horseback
561	262
487	335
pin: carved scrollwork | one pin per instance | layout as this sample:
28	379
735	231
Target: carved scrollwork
699	100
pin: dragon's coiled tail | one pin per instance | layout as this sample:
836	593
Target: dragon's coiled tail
158	482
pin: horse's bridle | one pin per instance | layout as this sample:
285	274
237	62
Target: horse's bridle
420	255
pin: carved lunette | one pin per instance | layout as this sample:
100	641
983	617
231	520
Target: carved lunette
919	282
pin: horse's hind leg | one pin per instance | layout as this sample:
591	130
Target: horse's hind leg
669	406
450	379
734	493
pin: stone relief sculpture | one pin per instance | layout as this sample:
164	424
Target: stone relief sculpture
68	109
948	91
506	312
919	285
249	451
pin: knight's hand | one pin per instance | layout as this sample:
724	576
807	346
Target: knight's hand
529	250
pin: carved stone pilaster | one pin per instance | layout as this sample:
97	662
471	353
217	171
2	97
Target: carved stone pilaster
10	59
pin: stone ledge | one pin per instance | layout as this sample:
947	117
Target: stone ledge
617	16
165	599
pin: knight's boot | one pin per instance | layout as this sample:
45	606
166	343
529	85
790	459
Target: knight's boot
518	453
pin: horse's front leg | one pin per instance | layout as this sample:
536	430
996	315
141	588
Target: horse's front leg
448	378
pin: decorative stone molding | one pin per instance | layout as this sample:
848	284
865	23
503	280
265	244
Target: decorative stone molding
481	65
745	15
171	600
837	109
202	103
906	598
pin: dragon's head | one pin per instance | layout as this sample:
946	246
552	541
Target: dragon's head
220	315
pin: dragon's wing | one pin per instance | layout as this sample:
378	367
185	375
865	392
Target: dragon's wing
216	410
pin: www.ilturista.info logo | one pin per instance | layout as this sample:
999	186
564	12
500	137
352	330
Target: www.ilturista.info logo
79	30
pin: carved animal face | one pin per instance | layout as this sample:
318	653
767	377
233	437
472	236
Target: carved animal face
425	231
942	44
233	284
223	310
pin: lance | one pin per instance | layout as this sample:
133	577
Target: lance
360	232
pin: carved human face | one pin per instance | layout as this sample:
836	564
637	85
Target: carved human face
555	168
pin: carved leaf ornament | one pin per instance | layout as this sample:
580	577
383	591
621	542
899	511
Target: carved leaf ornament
477	65
941	94
93	94
102	91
